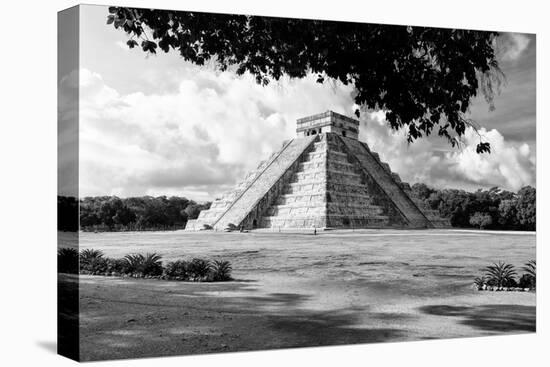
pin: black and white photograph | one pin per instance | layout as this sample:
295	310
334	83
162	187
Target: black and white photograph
237	182
232	182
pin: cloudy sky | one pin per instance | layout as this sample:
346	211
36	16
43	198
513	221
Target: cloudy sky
156	125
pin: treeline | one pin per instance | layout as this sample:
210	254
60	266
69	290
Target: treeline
110	213
484	209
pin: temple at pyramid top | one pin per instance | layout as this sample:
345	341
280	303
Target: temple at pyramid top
323	178
327	122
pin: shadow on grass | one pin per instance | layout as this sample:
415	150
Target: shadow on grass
494	318
122	321
329	328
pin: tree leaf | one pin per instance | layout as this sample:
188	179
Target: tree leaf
132	43
483	147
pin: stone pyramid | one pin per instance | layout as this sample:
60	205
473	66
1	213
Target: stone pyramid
324	178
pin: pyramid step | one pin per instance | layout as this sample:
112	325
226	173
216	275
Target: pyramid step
316	175
368	221
340	166
296	211
284	199
355	211
211	214
335	155
320	145
316	155
316	164
316	186
337	221
343	175
311	187
336	165
294	222
320	198
319	174
300	208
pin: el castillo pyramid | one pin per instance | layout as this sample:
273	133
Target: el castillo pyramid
323	178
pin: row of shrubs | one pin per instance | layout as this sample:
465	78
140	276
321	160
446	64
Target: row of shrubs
504	277
94	262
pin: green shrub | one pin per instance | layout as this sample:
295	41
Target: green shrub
199	269
481	220
67	260
221	270
132	263
152	266
529	278
139	265
92	262
501	275
115	266
177	270
527	281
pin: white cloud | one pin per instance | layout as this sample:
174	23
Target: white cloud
510	165
511	46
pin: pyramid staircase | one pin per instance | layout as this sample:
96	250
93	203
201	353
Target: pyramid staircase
251	196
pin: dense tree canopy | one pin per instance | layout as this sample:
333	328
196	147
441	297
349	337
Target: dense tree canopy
486	209
424	78
137	213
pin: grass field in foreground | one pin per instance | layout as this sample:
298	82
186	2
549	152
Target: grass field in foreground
296	289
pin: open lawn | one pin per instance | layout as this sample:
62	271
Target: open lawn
297	289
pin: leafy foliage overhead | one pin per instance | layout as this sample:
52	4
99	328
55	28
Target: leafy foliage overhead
424	78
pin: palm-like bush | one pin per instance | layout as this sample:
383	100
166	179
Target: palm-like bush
531	268
140	265
501	275
132	263
90	254
93	261
221	270
178	270
529	278
67	260
151	264
199	269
